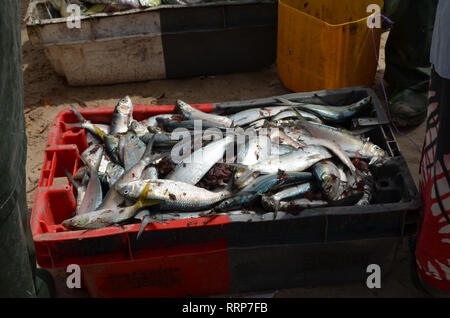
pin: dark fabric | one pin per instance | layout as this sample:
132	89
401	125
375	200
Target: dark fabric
440	48
17	255
408	45
433	243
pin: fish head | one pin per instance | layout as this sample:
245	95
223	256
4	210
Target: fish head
330	185
374	152
131	138
129	190
138	128
76	223
125	106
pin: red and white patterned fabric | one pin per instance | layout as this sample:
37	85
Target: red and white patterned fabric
433	243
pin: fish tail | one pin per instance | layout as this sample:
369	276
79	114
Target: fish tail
74	125
299	115
148	150
78	114
72	179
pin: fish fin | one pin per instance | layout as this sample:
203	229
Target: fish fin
99	132
78	114
75	183
144	224
147	155
74	125
299	116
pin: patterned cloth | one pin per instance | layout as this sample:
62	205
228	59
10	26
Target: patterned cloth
433	244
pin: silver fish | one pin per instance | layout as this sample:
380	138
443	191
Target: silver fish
150	173
112	148
193	168
191	113
122	116
80	187
331	113
330	145
113	198
239	201
327	175
353	146
173	194
293	114
133	150
153	121
138	128
298	160
272	202
93	195
252	151
106	217
251	115
92	156
267	182
113	173
90	127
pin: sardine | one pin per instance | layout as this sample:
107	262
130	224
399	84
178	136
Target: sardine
251	115
239	201
80	187
298	160
327	175
113	173
113	198
107	217
194	167
122	116
112	148
254	150
93	195
272	202
353	146
264	183
331	113
153	121
133	150
292	114
330	145
173	194
191	114
151	172
92	156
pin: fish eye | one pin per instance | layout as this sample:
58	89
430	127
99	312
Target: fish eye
126	192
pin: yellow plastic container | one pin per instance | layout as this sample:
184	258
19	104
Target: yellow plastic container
326	44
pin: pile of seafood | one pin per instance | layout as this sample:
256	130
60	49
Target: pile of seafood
64	8
286	157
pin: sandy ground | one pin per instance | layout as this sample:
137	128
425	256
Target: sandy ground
46	94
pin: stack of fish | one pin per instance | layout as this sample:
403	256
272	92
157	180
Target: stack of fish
61	8
286	157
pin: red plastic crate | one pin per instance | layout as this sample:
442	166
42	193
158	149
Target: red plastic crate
225	254
113	263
